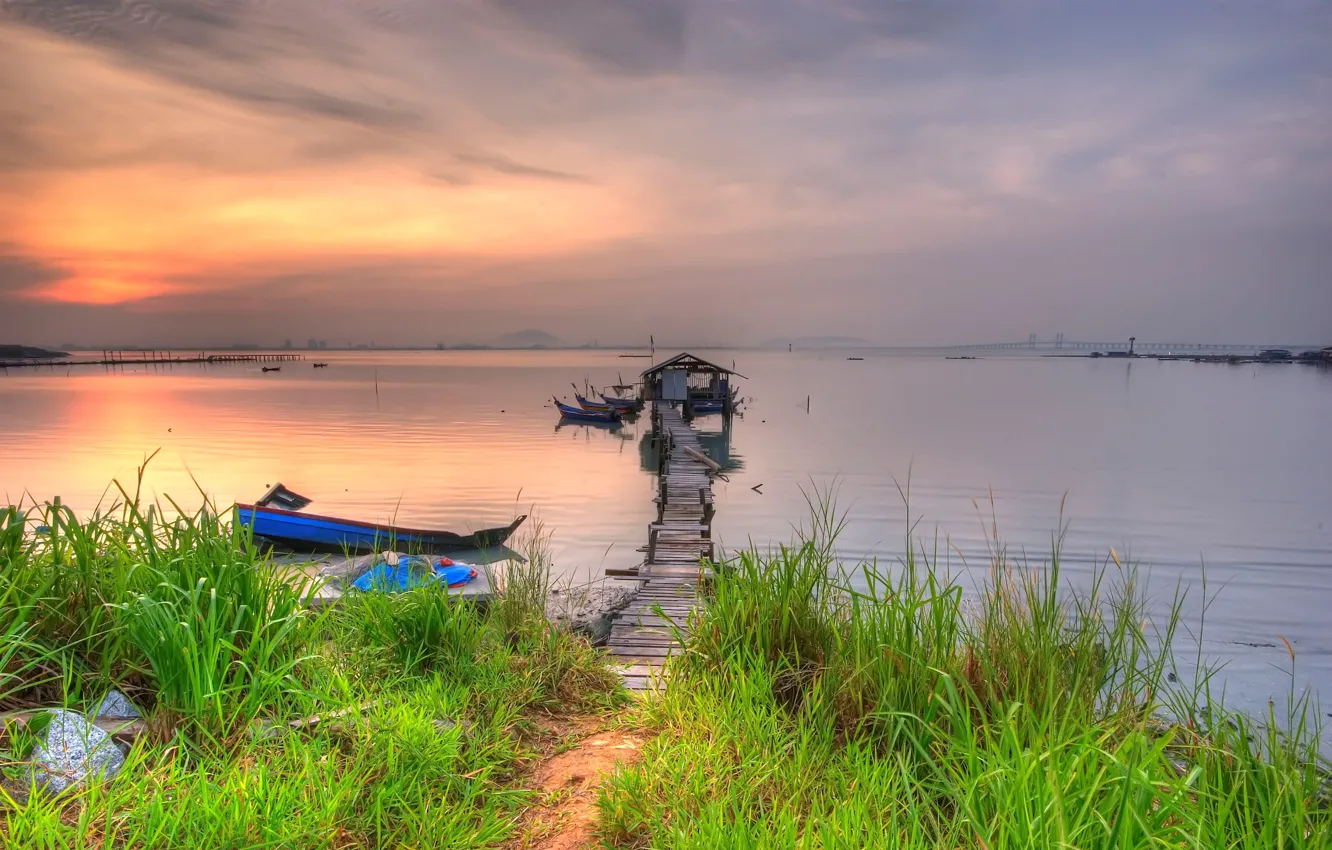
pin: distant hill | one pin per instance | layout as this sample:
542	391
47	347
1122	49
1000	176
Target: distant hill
529	338
19	352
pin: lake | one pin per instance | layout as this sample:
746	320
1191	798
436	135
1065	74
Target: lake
1177	466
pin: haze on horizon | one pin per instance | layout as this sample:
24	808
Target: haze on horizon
179	173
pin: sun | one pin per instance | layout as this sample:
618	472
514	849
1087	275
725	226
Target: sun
98	289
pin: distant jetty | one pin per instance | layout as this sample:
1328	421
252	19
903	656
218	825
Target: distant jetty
143	358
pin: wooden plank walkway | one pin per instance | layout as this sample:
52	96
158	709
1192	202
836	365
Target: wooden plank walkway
647	632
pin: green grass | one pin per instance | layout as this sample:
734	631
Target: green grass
816	706
812	711
207	635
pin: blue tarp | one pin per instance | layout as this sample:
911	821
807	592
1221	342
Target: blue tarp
412	571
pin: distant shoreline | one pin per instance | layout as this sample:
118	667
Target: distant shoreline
18	352
28	352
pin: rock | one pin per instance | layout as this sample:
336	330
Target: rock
587	610
117	705
72	750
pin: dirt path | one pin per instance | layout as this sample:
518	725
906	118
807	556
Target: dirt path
566	816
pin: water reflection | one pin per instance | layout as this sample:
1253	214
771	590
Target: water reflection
718	446
716	443
567	425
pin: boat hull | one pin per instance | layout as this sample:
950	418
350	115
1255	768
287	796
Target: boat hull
577	414
595	406
623	405
590	416
313	533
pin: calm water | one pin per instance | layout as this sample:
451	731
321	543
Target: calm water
1174	465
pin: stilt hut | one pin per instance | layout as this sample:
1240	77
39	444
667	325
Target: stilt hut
693	383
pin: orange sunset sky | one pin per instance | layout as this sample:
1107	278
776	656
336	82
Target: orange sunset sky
181	173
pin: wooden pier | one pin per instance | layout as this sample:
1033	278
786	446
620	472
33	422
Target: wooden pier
679	543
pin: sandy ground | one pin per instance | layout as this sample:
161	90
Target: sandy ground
567	817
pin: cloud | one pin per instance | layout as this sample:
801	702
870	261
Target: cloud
275	58
503	165
20	275
624	36
897	157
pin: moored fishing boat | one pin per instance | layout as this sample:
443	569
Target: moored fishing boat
578	414
707	405
594	406
289	528
622	405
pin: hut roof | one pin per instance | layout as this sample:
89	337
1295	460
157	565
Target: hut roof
691	363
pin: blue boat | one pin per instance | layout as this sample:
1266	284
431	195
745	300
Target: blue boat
578	414
302	532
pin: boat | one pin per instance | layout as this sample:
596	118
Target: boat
708	405
321	365
577	414
280	497
272	368
289	528
622	405
594	406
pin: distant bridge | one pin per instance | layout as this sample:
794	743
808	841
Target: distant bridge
1061	344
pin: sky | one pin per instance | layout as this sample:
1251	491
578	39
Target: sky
181	174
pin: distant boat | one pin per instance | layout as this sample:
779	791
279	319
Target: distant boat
272	368
289	528
321	365
578	414
855	358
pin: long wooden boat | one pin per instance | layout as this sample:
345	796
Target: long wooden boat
594	406
578	414
304	532
622	405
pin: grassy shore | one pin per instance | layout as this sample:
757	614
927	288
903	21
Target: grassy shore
813	711
809	710
191	621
